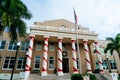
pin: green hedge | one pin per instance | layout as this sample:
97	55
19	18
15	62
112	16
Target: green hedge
80	76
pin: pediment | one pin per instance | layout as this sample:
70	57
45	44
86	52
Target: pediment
57	23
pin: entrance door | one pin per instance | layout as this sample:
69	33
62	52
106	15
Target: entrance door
65	65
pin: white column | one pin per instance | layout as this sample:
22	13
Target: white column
87	58
75	70
60	70
99	57
29	57
45	59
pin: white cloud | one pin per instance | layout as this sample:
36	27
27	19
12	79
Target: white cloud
102	16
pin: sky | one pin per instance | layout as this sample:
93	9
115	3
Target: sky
101	16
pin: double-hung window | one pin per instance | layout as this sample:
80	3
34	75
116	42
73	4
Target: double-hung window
21	63
39	45
8	63
63	46
24	46
2	45
37	63
51	46
12	46
112	64
51	63
105	64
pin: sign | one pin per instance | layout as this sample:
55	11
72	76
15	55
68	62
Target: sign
114	76
86	77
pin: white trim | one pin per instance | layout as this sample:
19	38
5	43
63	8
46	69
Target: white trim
35	63
53	64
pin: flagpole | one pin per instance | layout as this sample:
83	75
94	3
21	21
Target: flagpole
78	49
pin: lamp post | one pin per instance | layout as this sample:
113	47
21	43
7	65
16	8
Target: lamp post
18	45
109	67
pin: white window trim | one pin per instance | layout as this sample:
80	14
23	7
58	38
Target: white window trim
53	64
12	47
1	43
8	64
34	64
24	47
37	45
21	63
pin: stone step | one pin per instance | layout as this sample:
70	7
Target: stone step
50	77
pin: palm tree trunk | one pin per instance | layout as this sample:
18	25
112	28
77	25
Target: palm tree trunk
1	35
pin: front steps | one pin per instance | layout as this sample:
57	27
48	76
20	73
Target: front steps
66	76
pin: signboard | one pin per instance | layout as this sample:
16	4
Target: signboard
86	77
114	76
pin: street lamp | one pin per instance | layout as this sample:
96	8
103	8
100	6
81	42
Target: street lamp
109	67
18	45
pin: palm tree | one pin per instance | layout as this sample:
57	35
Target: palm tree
12	13
113	45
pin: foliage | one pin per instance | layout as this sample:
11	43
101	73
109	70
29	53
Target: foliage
12	13
76	77
114	44
80	76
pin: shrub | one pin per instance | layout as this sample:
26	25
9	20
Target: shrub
92	77
80	76
76	77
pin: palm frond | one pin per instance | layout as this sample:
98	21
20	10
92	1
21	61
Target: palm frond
110	39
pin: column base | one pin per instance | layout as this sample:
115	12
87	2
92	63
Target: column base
60	73
75	72
44	74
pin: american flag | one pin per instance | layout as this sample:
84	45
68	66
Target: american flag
75	16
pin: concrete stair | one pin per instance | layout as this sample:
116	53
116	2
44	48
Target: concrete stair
66	76
103	77
100	77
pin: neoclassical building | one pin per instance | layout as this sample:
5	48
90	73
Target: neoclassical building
51	48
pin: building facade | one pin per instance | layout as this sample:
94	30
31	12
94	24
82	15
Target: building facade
51	48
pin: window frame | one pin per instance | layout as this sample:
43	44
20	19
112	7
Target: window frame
53	65
23	58
35	63
8	64
1	44
26	45
40	45
51	46
14	45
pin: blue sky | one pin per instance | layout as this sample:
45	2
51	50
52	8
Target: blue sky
101	16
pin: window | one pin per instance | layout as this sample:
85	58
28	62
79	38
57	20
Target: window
24	46
8	63
12	46
63	47
37	63
112	64
39	45
105	65
2	45
21	63
51	63
77	63
51	46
